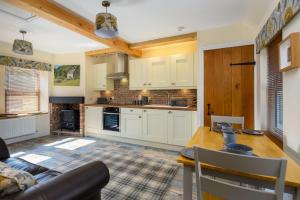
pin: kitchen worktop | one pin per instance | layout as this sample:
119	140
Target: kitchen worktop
191	108
11	116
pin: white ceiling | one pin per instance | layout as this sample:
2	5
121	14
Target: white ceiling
138	20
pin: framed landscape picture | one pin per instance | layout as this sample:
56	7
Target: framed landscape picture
67	75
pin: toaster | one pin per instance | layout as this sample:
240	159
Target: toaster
103	100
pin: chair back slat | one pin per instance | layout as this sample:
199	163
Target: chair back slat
240	163
233	192
227	119
247	164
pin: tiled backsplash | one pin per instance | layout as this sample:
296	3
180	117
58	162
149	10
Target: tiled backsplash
122	94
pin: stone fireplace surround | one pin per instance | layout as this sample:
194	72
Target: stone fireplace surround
58	103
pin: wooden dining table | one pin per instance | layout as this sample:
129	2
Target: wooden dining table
262	147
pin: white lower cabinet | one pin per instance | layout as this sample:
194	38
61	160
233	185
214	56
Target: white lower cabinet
93	120
179	127
131	126
155	125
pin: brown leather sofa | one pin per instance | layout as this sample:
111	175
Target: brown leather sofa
83	183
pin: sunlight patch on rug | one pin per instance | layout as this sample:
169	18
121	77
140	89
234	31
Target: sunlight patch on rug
75	144
35	158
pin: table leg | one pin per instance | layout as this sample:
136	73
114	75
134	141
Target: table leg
187	182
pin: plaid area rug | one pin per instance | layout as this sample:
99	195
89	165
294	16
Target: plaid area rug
133	177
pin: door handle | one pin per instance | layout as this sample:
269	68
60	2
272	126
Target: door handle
209	111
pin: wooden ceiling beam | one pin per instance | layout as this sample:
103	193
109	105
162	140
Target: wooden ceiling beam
148	44
165	41
64	17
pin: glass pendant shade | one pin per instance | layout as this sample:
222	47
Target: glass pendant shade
106	25
22	47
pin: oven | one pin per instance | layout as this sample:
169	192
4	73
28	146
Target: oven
111	119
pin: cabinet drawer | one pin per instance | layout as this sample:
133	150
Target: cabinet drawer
131	111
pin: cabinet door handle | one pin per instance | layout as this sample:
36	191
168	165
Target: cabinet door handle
131	110
173	83
145	84
145	110
170	112
149	84
140	116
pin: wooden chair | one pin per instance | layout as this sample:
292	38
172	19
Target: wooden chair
227	119
240	163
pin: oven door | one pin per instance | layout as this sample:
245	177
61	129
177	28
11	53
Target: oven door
111	121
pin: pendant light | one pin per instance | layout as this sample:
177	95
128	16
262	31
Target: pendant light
21	46
106	23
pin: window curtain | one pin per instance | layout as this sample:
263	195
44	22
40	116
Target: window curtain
22	90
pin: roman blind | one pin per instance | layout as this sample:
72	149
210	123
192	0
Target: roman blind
22	90
275	94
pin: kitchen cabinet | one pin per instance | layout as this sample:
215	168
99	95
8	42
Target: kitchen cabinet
182	70
168	72
179	127
93	120
157	72
100	72
136	74
155	125
131	123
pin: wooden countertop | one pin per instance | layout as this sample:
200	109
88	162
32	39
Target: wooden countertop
191	108
12	116
262	146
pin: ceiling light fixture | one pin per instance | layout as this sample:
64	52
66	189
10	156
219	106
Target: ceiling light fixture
106	23
21	46
180	28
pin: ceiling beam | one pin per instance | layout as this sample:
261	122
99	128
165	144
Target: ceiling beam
64	17
148	44
165	41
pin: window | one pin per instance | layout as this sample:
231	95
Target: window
275	96
22	90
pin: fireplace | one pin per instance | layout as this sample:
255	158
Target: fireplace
66	115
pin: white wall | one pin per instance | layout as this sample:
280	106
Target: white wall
229	36
42	121
291	100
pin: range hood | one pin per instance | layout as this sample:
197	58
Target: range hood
120	67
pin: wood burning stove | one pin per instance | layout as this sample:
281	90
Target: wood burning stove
69	119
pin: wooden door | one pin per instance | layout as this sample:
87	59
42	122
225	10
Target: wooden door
229	90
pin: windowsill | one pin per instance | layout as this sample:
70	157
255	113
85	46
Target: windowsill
11	116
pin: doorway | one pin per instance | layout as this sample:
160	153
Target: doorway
229	89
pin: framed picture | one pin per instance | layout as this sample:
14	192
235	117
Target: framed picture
289	51
67	75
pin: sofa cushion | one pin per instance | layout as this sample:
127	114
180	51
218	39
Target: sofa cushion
46	176
20	164
13	180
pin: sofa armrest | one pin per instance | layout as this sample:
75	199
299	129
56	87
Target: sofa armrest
4	153
81	183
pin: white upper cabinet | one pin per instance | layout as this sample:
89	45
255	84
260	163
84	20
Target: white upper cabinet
136	73
182	70
168	72
100	72
157	72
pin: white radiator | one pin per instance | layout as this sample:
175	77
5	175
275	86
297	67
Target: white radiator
16	127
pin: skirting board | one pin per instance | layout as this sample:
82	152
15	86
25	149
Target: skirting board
26	137
139	142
